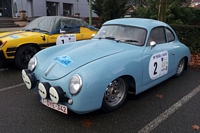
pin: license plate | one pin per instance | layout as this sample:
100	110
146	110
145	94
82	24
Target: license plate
54	106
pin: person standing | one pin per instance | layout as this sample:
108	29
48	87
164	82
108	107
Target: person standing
48	11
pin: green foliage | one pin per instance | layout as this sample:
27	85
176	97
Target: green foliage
97	6
196	18
113	9
189	35
109	9
175	12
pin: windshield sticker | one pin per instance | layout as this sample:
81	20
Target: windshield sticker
158	65
14	36
63	60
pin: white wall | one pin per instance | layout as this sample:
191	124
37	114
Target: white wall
39	7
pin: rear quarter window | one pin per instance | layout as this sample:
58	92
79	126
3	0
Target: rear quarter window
170	35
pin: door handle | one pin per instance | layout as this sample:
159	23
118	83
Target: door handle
172	54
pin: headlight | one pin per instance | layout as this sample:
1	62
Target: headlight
75	84
32	63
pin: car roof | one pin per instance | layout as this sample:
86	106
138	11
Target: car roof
139	22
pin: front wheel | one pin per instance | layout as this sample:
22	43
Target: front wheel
180	68
23	55
115	95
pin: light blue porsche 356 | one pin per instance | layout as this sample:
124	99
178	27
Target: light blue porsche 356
127	55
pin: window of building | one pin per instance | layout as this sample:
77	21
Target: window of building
5	8
67	9
52	8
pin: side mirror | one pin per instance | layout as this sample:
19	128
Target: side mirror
152	44
93	35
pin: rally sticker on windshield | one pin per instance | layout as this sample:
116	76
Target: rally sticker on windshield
63	60
158	65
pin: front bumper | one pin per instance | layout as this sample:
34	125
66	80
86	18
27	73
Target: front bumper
46	91
54	91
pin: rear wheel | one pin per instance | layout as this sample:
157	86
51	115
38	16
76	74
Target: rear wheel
180	68
115	95
23	55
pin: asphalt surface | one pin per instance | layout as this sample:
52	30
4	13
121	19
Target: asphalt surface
21	111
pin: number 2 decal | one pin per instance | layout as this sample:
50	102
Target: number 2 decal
155	65
158	65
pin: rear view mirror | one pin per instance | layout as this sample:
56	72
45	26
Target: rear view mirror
152	44
93	35
62	31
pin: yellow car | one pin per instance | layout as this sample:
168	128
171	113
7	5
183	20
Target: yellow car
40	33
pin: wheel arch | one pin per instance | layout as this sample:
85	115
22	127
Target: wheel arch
186	62
131	83
22	61
27	44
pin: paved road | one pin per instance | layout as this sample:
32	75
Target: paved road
170	107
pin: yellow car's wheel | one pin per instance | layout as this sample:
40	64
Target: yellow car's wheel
24	54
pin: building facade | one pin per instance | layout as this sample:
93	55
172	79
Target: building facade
36	8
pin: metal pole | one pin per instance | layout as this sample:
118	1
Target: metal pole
90	18
77	6
22	5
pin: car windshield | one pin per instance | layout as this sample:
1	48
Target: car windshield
35	30
122	33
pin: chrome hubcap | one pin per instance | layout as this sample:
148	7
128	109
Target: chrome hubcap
180	66
115	92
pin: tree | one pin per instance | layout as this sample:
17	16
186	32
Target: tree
176	13
109	9
97	6
113	9
170	11
162	11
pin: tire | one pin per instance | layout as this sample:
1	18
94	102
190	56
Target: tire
180	68
23	55
115	95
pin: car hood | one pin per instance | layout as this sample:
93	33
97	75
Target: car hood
76	55
18	34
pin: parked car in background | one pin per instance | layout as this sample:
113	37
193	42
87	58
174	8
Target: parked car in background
40	33
127	55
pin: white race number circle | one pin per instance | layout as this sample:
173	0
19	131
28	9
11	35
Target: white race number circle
158	65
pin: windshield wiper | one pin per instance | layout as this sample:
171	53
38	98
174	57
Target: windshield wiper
123	40
111	38
26	29
35	29
130	41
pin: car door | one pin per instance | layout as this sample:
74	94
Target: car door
52	40
157	59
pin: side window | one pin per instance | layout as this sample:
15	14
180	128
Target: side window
158	35
170	35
